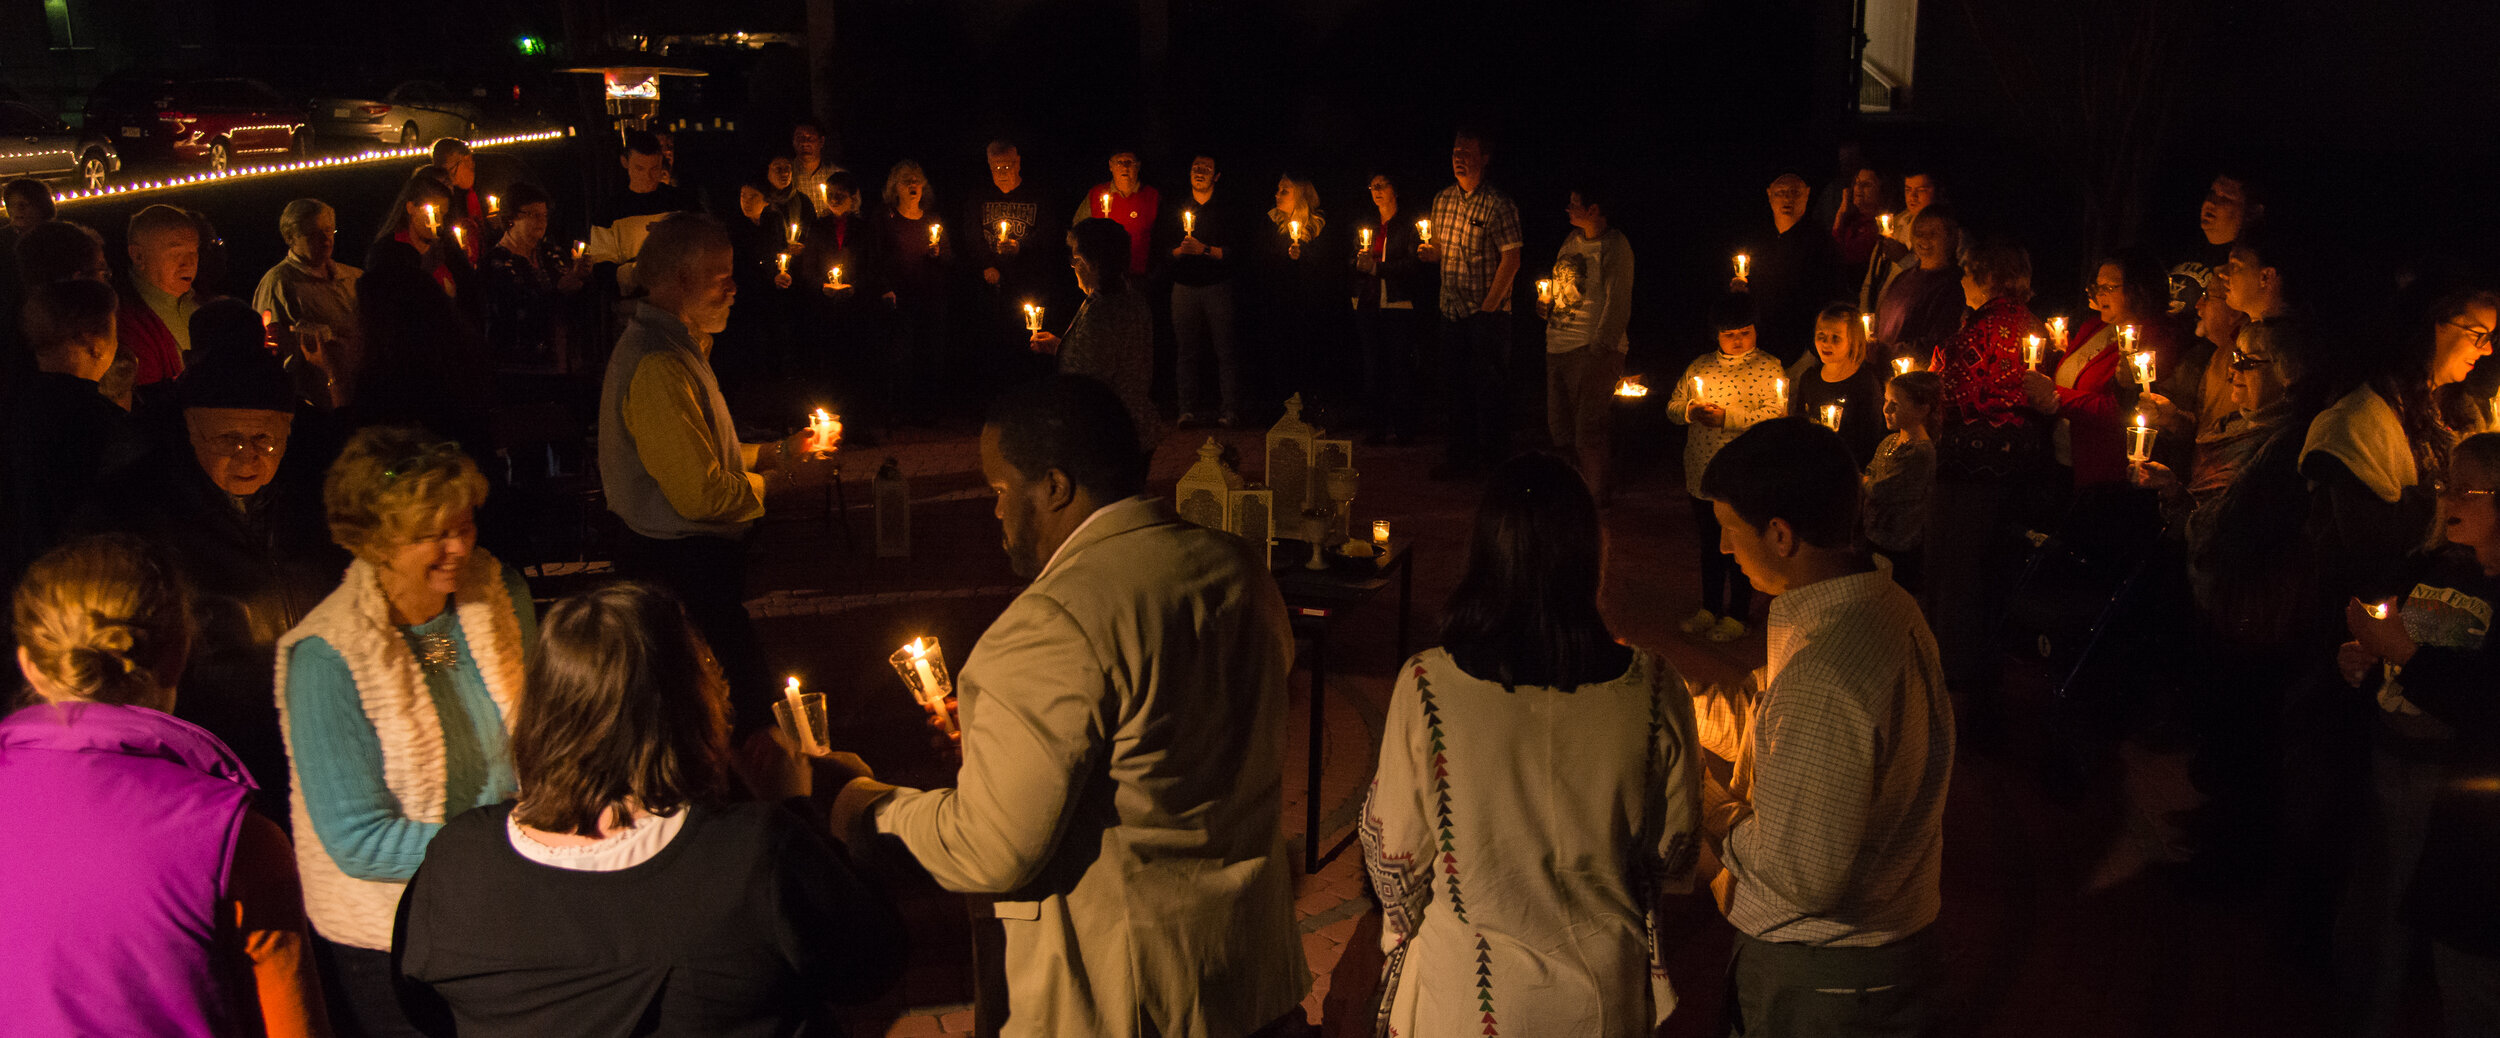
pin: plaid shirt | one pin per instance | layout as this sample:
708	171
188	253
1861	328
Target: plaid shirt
1472	232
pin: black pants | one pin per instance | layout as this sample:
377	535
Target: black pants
1475	358
1390	386
1724	588
360	987
709	577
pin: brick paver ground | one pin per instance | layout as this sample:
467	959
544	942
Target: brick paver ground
2054	925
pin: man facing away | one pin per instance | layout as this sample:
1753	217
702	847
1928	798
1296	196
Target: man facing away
1123	728
1831	827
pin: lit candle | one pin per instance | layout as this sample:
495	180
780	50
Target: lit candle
2140	441
1366	234
1779	393
1106	203
826	426
1380	532
580	247
2031	351
798	717
1189	222
1544	291
432	222
2126	335
1901	365
1631	388
2057	332
268	318
933	234
1741	261
1423	231
1032	318
794	232
1866	323
1293	231
834	277
823	200
1831	417
457	238
784	262
2380	610
1885	221
2144	370
493	205
1002	232
1700	392
923	655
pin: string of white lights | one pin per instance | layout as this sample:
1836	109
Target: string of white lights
236	173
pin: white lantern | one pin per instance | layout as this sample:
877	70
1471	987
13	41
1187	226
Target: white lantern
1290	449
1212	495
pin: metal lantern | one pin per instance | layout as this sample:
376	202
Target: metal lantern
1212	495
1290	448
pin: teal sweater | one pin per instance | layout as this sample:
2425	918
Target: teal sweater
339	757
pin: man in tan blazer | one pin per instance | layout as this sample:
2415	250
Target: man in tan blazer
1122	752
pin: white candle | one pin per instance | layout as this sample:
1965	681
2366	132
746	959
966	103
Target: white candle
924	657
457	238
1544	291
794	232
1831	416
1106	203
1380	532
1779	392
2126	333
2140	441
834	277
1866	322
784	262
493	205
1742	261
933	234
2144	370
580	247
1885	219
432	221
2031	351
1700	395
1189	222
1423	231
2057	332
1002	232
798	717
823	199
827	428
1032	318
1367	239
1293	231
1901	365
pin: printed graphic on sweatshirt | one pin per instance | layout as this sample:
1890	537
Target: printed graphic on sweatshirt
2440	617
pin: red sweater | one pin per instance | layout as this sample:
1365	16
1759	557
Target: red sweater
1135	213
147	340
2096	429
1982	365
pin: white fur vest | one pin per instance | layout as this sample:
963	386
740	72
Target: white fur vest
390	684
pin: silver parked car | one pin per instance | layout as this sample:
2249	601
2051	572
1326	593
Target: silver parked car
33	144
409	114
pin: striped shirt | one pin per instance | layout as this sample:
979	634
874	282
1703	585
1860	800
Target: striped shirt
1472	232
1842	761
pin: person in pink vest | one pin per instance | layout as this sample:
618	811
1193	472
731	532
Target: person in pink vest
138	893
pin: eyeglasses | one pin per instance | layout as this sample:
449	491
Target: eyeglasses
2441	488
2473	335
2249	361
236	446
424	456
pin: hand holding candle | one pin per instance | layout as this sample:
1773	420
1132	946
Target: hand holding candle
2031	351
2140	440
1032	318
802	717
1423	232
824	431
922	665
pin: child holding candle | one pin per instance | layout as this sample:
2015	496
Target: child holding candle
1840	373
1721	394
1903	472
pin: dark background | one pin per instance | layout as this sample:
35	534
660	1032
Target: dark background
2072	126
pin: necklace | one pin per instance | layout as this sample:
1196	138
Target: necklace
436	652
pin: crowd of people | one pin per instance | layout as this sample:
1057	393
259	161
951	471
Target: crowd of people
300	749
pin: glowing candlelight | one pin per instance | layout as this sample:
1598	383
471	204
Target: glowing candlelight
794	232
2140	440
580	247
826	427
1779	393
1002	232
432	221
1631	388
1366	234
2031	351
823	199
833	278
459	239
2057	332
922	665
1293	231
2126	335
1380	532
784	262
1900	366
933	234
1545	291
798	717
1423	231
268	318
1106	203
1189	222
1885	221
1032	318
2380	610
2144	370
1866	323
1830	418
493	205
1700	392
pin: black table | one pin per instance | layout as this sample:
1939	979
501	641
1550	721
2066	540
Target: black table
1316	600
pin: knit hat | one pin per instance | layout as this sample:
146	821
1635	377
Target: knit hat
230	366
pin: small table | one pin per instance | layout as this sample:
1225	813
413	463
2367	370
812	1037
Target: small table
1316	600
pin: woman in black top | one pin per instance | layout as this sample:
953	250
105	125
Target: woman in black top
1843	376
625	893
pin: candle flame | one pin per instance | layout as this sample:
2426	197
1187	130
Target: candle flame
794	684
918	648
1901	365
1631	388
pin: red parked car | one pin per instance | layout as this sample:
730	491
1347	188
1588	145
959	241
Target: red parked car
211	120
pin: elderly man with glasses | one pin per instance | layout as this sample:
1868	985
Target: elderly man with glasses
309	298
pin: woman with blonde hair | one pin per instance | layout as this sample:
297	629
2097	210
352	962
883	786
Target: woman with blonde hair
138	892
1300	271
919	252
395	694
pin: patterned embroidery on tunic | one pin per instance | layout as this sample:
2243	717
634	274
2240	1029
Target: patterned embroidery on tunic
1484	983
1441	793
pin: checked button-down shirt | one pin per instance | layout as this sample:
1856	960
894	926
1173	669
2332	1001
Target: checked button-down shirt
1472	232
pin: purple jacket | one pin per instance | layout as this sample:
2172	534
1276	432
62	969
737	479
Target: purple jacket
121	824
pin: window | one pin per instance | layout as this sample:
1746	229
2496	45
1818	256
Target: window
1891	50
17	120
